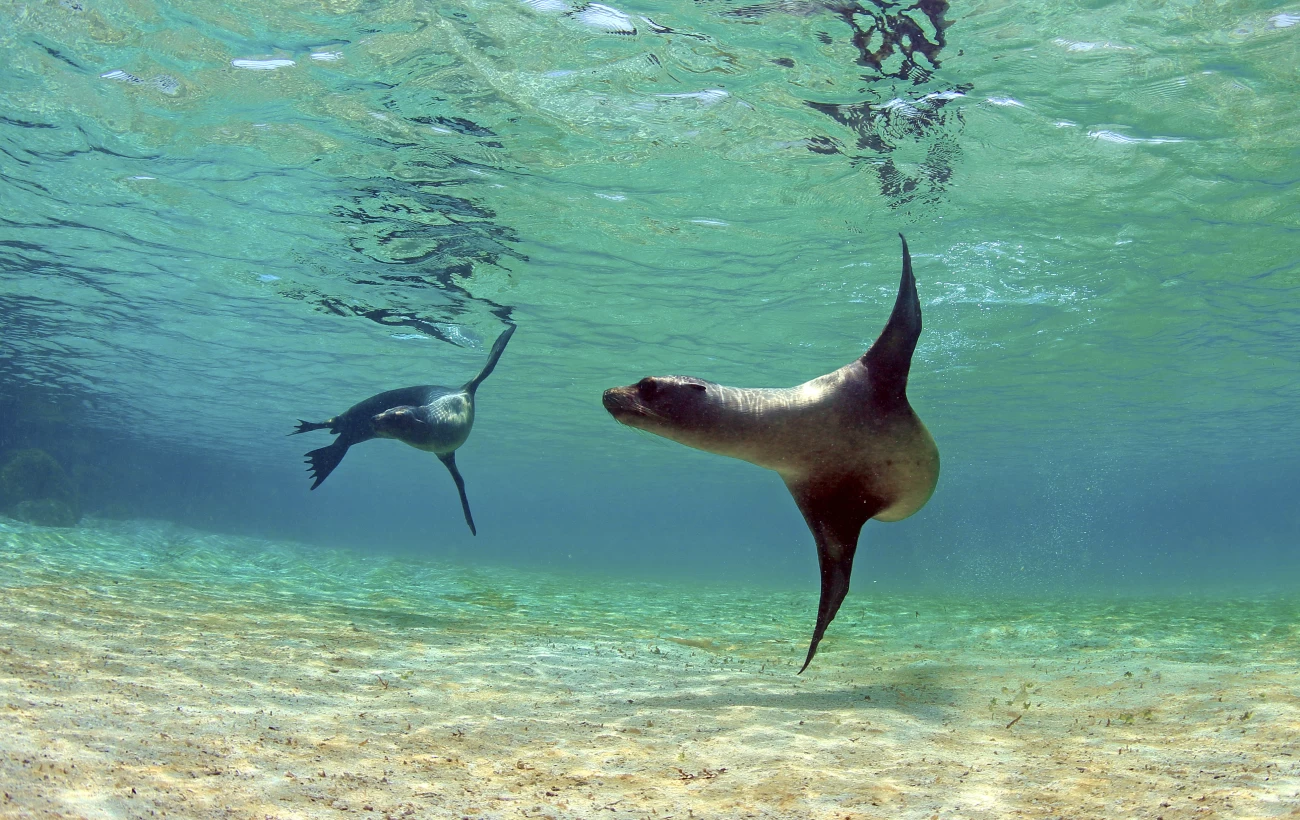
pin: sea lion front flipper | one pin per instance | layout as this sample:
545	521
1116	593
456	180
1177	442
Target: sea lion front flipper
835	511
449	459
890	357
498	347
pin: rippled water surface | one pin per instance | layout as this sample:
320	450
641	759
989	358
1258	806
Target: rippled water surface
212	211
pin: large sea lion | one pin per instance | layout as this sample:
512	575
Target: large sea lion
847	444
427	417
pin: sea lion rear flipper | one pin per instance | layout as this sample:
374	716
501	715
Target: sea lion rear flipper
308	426
450	460
324	460
835	512
498	347
890	358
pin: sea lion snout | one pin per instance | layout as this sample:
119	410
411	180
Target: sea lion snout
674	401
625	405
618	400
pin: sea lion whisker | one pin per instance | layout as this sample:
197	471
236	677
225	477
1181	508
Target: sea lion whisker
658	440
642	410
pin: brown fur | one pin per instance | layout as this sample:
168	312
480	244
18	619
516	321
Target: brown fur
848	444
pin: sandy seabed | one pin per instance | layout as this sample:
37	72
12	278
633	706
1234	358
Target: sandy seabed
151	672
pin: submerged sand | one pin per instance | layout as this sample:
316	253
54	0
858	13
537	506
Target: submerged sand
150	672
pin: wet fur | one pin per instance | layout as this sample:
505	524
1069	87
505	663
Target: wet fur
428	417
847	444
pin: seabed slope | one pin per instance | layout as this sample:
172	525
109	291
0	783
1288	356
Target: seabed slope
147	671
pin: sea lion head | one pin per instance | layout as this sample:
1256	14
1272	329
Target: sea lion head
669	406
404	423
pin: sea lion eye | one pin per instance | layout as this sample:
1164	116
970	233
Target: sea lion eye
647	387
697	386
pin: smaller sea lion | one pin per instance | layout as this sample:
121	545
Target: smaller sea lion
428	417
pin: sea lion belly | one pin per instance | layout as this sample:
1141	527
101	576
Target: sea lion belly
446	423
909	473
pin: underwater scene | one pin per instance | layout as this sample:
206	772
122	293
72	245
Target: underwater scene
479	409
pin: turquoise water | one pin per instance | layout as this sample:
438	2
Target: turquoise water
217	219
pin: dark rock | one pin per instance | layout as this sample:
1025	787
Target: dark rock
47	512
34	475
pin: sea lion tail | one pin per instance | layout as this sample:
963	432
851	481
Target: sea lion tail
324	460
498	347
890	358
308	426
